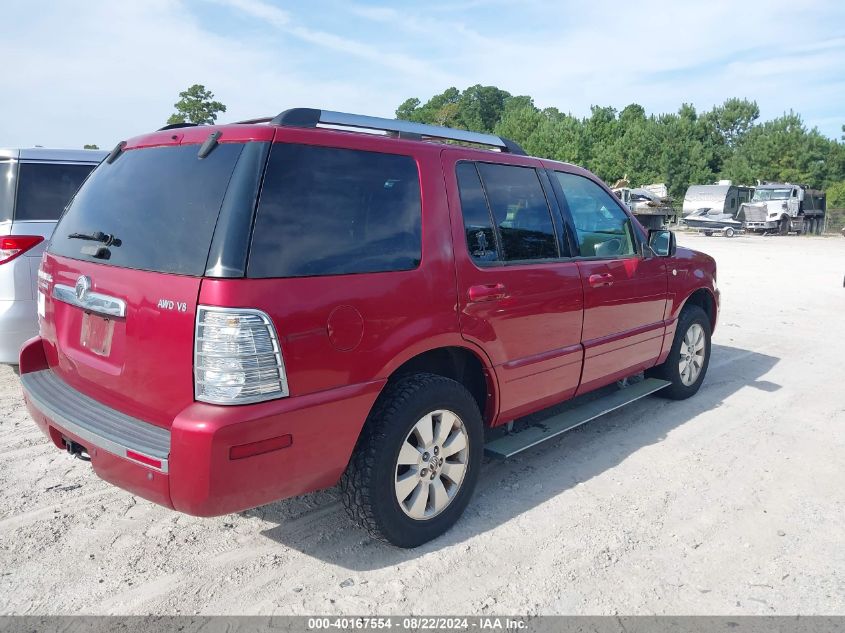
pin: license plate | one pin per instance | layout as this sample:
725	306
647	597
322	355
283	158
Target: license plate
96	334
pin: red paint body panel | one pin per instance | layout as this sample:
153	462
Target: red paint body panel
623	320
324	427
197	135
531	329
542	334
148	373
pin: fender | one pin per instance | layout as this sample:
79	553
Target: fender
671	322
454	340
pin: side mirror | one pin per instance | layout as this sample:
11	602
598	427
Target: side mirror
662	242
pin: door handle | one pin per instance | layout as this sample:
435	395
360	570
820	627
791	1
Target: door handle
600	281
487	292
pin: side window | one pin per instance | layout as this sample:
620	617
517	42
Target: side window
478	224
520	212
331	211
45	189
602	228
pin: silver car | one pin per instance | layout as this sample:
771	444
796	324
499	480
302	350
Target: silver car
35	186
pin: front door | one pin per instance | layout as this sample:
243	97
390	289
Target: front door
624	294
519	292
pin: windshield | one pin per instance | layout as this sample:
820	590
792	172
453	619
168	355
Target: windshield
151	209
771	194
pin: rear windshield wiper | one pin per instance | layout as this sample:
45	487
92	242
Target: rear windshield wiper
96	236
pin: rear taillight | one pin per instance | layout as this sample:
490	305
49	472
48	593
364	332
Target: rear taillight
237	357
12	246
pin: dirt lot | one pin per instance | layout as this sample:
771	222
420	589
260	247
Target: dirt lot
730	502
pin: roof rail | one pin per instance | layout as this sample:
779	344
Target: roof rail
262	119
175	126
310	117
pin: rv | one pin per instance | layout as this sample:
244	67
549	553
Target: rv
724	197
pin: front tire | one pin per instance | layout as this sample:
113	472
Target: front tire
687	363
416	464
729	232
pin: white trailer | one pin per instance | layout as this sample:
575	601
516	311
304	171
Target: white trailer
723	197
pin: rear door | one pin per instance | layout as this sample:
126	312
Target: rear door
123	273
519	291
624	293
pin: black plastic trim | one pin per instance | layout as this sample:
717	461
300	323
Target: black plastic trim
176	126
297	117
93	422
209	144
512	147
117	151
227	255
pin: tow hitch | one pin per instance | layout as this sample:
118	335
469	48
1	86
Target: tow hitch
76	450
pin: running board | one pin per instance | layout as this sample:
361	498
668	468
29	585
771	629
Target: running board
516	442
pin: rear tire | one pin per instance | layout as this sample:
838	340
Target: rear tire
408	481
687	363
729	232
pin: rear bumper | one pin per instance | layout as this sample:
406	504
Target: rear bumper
190	467
18	322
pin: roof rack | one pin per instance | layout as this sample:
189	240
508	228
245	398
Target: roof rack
310	118
262	119
175	126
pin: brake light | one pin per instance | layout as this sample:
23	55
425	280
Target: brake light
12	246
237	357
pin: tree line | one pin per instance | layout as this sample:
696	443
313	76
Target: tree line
681	148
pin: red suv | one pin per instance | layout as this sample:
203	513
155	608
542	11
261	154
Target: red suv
236	314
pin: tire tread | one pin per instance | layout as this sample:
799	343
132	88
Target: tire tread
359	504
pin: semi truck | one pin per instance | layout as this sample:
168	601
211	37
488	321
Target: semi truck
784	208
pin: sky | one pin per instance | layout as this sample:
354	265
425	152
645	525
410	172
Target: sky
99	71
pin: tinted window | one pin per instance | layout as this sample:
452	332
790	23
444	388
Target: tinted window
161	203
520	211
328	211
44	189
602	228
478	224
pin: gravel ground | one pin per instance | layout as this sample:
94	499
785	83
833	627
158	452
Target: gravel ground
732	502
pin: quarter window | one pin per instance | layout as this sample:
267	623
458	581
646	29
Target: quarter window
330	211
45	189
602	228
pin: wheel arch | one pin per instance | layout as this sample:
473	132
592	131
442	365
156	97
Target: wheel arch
706	300
457	361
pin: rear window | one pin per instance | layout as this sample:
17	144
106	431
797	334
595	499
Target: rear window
329	211
160	204
44	189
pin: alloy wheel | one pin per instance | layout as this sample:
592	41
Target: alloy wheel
431	464
692	354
